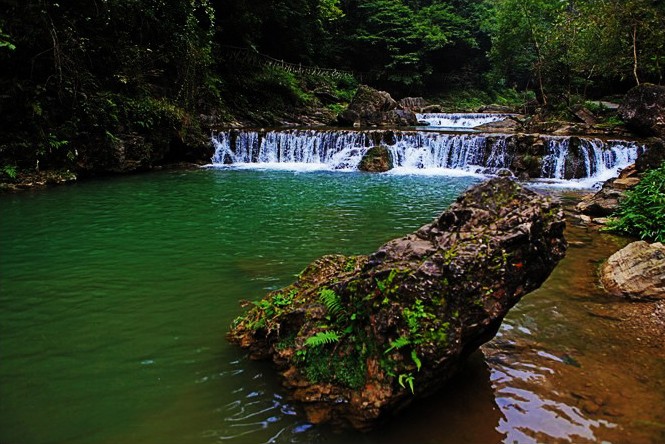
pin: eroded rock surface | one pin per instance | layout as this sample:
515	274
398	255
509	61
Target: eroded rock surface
357	338
636	272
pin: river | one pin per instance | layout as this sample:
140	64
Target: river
115	296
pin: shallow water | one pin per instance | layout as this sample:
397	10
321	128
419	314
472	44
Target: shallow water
115	296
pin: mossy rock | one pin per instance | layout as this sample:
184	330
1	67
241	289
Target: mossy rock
376	160
357	338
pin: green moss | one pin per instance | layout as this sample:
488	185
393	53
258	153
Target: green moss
288	341
351	263
323	364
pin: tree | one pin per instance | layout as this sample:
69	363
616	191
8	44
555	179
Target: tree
84	74
401	43
569	46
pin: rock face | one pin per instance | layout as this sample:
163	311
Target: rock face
357	338
376	160
643	110
653	157
413	104
636	272
370	107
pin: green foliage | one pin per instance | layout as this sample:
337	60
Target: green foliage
322	338
385	286
414	315
289	341
347	369
332	301
10	171
560	49
642	212
87	76
5	41
406	378
403	40
398	343
266	310
350	264
416	360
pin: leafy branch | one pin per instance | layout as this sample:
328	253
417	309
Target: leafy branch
322	338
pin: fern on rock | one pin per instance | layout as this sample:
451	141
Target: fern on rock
322	338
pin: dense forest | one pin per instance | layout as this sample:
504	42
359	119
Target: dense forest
86	83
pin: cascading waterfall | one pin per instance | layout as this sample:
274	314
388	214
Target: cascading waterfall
433	151
328	149
421	151
459	120
569	157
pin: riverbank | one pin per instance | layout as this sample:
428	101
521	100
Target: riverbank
617	377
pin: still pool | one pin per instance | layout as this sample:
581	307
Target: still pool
115	296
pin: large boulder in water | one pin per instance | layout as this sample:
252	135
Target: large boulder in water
371	107
357	338
636	272
376	160
643	110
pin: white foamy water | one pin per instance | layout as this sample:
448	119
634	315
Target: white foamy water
460	120
586	160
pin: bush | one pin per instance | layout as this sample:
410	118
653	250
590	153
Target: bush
642	212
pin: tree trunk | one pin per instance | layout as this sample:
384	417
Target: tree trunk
541	96
637	79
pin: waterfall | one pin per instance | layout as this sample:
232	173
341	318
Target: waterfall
426	152
430	151
459	120
577	158
340	150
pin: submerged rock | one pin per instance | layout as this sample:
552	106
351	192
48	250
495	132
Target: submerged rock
376	160
636	272
357	338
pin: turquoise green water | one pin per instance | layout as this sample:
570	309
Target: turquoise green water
115	297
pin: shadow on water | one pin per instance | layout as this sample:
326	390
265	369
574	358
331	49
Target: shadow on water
464	411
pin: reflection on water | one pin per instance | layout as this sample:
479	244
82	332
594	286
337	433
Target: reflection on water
115	297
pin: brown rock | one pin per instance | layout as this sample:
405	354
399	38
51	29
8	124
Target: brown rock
494	108
636	272
432	109
585	115
603	203
626	183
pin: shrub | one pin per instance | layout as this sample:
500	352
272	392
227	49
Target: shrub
642	212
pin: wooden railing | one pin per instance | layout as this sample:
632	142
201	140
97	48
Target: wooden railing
250	57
